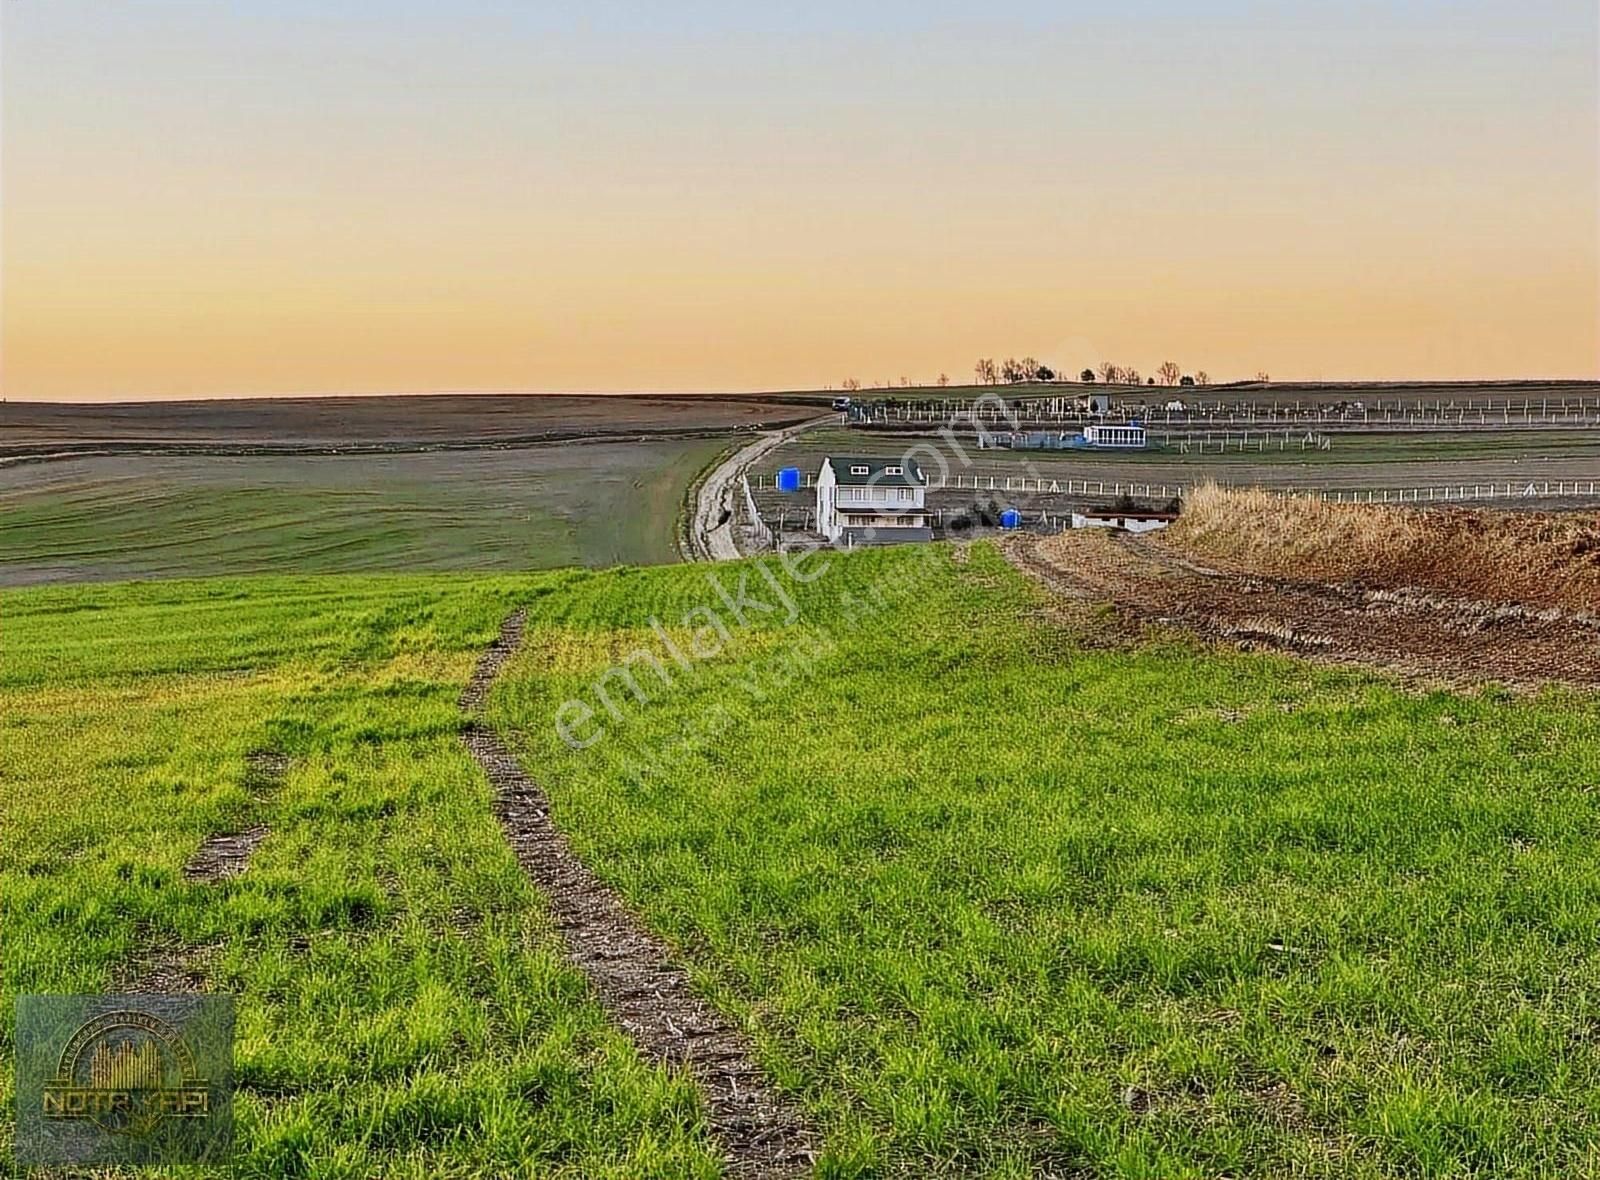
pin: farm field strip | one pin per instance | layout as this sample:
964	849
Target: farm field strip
1430	637
403	422
103	519
1376	459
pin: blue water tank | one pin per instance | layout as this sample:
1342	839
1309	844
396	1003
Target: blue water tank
789	479
1010	519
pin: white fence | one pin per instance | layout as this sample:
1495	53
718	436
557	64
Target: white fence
1398	412
1568	489
759	531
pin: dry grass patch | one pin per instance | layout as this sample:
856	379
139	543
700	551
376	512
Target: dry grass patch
1538	558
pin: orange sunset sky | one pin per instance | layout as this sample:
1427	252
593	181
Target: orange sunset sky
225	199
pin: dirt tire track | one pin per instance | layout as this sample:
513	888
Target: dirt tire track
1433	638
164	969
633	973
227	854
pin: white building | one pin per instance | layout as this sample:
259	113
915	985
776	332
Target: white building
872	501
1132	522
1123	435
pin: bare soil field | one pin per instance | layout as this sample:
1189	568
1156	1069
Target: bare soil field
1452	597
383	423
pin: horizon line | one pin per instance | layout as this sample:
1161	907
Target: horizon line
121	399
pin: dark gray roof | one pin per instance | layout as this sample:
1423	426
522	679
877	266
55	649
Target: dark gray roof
911	476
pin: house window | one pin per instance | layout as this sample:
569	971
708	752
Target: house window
894	471
858	470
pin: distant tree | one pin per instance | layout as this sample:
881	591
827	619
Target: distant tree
1010	370
1186	380
1110	373
944	379
851	384
1027	369
1152	381
1262	377
1087	376
1130	376
1169	373
1202	378
1045	373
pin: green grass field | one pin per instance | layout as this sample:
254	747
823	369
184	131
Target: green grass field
404	1010
1006	905
996	897
163	516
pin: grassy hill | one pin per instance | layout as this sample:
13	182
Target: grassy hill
997	890
537	507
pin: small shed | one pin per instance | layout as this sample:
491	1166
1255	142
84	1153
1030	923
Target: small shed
1124	436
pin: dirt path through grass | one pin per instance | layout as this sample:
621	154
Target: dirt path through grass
631	970
161	969
227	854
1432	637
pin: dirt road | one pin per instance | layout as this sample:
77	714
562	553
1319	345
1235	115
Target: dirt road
711	531
1420	635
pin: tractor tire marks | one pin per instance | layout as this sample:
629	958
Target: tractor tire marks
633	972
160	968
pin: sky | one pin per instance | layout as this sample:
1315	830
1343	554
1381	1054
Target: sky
222	199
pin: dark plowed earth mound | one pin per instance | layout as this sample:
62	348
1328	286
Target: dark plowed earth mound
1426	636
631	970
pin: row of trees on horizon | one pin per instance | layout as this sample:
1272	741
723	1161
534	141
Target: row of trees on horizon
1011	371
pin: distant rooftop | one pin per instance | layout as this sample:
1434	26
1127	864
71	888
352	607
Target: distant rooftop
848	470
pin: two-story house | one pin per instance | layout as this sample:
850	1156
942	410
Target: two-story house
872	501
